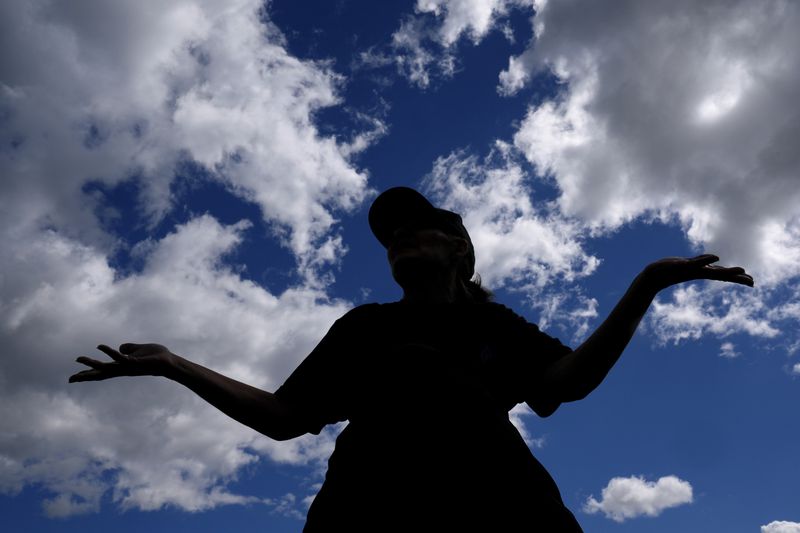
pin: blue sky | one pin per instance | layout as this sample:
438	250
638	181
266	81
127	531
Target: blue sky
199	175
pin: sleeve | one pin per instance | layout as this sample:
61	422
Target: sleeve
528	352
316	389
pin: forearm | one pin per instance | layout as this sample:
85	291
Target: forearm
579	373
253	407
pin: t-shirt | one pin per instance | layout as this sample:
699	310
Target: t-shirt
429	445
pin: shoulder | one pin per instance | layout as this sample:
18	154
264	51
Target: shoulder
360	313
507	323
500	312
363	309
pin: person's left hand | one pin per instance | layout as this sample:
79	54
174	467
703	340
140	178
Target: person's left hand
673	270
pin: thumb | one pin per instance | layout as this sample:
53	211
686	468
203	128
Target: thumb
129	347
705	259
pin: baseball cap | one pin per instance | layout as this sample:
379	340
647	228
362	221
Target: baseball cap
403	206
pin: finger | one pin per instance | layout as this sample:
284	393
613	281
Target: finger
94	363
729	270
705	259
725	270
741	280
732	275
88	375
112	353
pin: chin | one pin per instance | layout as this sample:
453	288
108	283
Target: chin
409	270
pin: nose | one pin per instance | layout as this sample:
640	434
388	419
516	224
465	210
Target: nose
399	233
402	237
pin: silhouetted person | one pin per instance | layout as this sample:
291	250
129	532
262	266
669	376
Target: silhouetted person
426	384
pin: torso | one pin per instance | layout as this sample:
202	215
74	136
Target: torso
429	430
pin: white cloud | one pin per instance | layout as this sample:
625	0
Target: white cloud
109	91
112	92
728	350
624	498
781	526
474	18
796	369
173	449
517	416
414	58
287	505
716	309
515	241
423	47
689	126
520	244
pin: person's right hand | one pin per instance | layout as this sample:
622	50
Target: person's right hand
130	360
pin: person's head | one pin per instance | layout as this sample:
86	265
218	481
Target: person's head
425	245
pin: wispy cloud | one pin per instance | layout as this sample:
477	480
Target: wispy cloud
728	350
423	48
715	309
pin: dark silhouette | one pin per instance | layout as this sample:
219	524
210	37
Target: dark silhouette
426	384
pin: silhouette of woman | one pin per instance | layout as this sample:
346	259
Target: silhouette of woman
426	384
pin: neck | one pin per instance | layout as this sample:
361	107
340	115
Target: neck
433	291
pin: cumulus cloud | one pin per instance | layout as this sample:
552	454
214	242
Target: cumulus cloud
687	127
781	526
123	93
110	92
173	449
630	497
522	243
675	111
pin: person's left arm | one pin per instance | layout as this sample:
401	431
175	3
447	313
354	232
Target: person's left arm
573	376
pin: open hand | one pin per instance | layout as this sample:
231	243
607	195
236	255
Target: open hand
130	360
673	270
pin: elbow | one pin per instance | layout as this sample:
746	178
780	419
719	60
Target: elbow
280	437
577	389
574	387
287	430
279	430
575	395
281	433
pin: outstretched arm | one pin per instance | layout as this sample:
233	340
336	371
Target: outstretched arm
252	407
574	376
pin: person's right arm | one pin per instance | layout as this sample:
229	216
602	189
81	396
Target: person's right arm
253	407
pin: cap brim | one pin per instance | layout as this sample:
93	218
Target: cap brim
396	207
